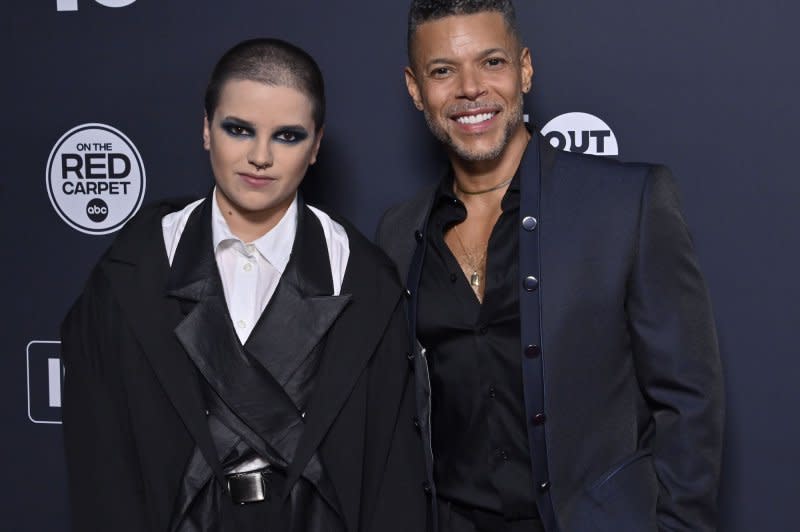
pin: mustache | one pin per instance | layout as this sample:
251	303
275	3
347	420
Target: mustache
467	107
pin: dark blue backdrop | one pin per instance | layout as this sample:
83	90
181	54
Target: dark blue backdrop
709	88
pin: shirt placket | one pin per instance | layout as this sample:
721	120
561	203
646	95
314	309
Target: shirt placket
243	302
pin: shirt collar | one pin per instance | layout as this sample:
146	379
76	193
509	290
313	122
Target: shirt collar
275	246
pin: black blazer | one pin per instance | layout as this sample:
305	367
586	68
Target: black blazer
622	379
134	411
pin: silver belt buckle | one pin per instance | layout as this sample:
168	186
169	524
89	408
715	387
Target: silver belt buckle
249	487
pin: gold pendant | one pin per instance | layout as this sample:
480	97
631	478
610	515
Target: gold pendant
475	279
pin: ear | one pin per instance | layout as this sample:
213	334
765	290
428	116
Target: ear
206	133
413	88
317	142
526	68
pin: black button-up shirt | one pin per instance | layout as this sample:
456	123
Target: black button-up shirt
480	442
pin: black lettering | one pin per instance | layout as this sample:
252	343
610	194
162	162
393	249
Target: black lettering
600	138
561	140
584	142
75	167
92	165
69	187
112	166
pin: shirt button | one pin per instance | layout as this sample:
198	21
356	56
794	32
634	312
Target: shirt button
530	283
529	223
491	392
538	419
248	267
544	486
532	351
483	329
241	324
250	248
453	277
418	235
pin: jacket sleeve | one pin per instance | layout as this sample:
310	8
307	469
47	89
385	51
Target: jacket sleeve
677	360
103	475
395	498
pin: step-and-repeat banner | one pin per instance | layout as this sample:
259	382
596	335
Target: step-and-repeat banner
103	112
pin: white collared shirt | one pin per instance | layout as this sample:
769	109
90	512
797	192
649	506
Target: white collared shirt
250	271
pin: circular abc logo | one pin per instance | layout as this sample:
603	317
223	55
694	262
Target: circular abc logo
581	133
95	178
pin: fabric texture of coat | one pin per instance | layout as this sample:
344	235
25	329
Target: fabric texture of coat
143	346
621	371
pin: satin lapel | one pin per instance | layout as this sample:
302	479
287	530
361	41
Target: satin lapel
152	317
347	350
301	310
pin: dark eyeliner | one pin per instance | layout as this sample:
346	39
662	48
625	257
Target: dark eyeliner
236	128
296	134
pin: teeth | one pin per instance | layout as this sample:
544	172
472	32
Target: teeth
474	119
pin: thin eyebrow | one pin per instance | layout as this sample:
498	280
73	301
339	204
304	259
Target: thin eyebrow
296	127
239	121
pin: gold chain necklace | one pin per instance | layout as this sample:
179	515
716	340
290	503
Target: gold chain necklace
474	265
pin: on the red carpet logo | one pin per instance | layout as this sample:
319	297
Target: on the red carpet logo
581	133
95	178
72	5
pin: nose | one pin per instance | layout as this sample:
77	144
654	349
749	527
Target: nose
260	154
472	85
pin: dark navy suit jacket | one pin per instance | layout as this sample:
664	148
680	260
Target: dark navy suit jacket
622	379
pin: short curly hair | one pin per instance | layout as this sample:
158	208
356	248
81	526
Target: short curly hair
422	11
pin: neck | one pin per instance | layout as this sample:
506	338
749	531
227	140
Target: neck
483	175
249	226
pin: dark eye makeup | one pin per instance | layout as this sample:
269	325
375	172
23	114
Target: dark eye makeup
236	128
287	135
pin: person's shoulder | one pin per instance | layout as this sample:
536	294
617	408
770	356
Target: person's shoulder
413	207
362	252
585	166
144	231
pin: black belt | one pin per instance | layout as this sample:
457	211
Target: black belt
253	486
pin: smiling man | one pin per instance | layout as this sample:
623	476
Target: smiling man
567	369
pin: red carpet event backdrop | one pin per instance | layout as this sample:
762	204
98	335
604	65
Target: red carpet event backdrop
104	113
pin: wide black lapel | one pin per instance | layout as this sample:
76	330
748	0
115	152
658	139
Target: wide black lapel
210	341
139	279
347	350
300	313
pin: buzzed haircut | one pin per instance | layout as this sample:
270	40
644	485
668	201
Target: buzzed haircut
422	11
273	62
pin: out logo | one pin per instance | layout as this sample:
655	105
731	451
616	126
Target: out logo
581	133
72	5
95	178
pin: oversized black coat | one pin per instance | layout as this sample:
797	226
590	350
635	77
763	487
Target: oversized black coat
134	409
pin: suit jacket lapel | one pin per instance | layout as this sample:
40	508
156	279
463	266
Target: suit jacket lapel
139	280
211	343
301	310
347	350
